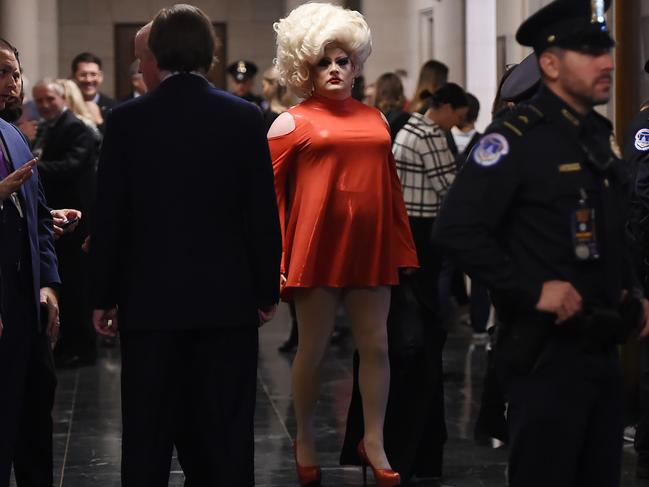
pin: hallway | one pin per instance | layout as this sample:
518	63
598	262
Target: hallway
87	420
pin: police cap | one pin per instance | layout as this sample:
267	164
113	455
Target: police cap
523	81
242	70
578	25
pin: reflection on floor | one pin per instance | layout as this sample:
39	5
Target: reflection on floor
87	419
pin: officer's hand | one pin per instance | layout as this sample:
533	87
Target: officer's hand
50	304
561	299
16	179
105	321
645	328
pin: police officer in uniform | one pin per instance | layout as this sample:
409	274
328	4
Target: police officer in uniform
28	273
243	74
538	214
636	152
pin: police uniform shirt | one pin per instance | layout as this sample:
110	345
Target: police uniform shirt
507	219
636	153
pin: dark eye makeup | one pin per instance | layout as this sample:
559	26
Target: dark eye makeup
325	62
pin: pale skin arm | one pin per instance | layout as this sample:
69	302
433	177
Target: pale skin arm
283	125
16	179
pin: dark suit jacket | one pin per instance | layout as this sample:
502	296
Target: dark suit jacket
186	230
38	220
67	166
105	104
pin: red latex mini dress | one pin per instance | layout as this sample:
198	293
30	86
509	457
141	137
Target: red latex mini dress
344	223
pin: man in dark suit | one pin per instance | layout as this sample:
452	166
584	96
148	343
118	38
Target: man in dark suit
68	152
185	252
28	275
87	73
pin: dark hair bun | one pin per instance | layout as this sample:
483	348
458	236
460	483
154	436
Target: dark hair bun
449	94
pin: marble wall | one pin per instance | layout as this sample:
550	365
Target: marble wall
88	25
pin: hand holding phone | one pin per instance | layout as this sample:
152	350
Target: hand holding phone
66	224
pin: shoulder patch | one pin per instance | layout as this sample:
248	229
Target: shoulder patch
490	149
642	140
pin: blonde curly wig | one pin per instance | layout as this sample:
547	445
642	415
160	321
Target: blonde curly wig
303	36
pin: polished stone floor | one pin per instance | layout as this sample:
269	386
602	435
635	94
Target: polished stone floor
87	419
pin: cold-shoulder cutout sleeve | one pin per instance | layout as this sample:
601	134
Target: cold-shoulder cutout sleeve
283	125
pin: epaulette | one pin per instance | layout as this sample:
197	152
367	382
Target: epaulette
522	118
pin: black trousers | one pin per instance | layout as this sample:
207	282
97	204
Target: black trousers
480	307
27	385
195	389
566	419
642	430
77	333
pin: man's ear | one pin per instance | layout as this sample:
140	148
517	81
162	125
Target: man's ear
549	65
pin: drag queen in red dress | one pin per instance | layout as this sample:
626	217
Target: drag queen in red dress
344	223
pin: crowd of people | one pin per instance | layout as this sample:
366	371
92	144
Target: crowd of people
324	193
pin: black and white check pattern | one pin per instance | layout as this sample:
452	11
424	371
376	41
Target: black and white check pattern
425	165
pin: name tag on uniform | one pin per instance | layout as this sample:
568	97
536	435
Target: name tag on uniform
583	230
571	167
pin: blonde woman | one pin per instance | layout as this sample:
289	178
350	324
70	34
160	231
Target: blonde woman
344	223
75	103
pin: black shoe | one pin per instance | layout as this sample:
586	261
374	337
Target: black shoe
487	428
68	361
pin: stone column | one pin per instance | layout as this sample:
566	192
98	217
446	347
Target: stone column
48	40
19	25
481	69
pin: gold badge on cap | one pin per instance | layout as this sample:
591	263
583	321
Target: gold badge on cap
241	67
615	148
597	10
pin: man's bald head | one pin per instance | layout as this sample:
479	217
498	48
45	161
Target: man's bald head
148	63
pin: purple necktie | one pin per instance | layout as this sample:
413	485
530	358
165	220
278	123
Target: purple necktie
4	167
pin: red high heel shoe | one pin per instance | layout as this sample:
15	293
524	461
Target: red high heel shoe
384	477
307	476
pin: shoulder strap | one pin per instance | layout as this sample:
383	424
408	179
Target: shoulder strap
522	119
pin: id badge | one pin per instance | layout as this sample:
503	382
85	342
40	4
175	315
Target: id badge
583	231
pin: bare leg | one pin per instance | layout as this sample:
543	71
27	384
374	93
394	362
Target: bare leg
368	309
316	312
